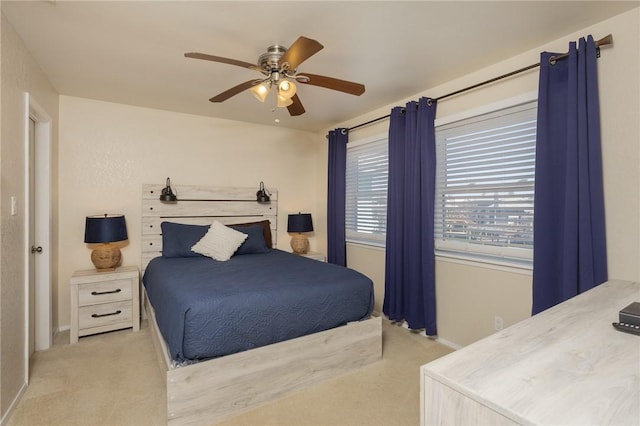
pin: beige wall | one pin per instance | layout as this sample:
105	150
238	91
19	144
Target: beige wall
19	74
469	296
370	261
107	151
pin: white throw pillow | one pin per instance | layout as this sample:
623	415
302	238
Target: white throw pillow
220	242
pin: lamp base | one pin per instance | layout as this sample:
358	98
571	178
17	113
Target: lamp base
106	257
299	244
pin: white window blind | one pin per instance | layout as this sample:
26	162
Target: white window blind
485	184
366	191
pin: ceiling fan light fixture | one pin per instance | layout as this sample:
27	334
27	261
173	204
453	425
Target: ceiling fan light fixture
284	101
260	91
287	89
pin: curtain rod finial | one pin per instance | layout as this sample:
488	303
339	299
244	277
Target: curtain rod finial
605	41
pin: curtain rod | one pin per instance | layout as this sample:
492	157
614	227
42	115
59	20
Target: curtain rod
607	40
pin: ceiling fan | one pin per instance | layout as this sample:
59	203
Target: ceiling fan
279	67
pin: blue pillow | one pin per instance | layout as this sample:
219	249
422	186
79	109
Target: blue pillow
178	238
254	243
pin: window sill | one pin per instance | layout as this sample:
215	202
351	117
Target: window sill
370	246
524	268
515	267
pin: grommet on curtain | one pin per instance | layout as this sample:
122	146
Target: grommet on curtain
552	60
343	131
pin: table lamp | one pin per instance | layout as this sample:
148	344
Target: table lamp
299	223
104	230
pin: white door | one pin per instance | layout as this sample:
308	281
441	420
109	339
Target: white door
39	315
32	237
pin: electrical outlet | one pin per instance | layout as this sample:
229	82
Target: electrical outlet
498	324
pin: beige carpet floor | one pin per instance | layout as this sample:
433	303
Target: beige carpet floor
114	379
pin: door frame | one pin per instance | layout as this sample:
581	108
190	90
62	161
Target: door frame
43	226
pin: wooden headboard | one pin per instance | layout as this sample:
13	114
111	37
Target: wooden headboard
201	205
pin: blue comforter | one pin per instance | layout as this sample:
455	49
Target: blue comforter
205	308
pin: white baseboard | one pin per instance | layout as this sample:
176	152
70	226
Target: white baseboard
440	340
5	419
448	343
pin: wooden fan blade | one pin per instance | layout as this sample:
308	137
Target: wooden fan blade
196	55
234	91
301	50
296	107
333	83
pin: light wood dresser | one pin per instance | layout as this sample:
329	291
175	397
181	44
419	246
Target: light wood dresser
566	365
104	301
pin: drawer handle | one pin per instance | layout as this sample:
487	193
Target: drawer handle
106	315
98	293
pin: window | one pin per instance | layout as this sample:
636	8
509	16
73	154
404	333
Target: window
485	184
366	192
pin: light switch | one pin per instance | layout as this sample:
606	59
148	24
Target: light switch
14	205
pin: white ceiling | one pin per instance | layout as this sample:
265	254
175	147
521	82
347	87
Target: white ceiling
131	52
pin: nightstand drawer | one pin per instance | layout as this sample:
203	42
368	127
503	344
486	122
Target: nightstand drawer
104	292
105	314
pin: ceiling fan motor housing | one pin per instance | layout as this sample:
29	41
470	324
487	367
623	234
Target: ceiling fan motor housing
270	61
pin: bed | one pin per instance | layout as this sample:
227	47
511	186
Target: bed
235	334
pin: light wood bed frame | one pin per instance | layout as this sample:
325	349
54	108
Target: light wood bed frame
210	391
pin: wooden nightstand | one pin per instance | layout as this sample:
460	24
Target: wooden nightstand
314	255
104	301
